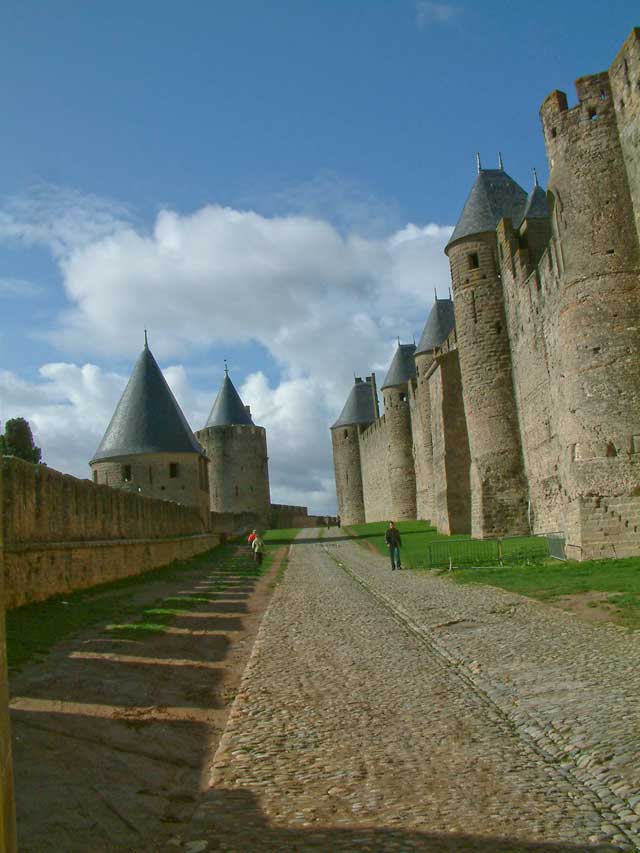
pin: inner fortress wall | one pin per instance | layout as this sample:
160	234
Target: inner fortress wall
374	444
61	533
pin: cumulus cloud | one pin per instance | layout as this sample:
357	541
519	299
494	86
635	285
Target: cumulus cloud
323	301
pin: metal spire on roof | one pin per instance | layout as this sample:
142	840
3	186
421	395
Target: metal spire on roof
478	163
535	177
500	164
435	293
146	343
226	368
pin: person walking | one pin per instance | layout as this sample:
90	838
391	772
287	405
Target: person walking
393	540
258	548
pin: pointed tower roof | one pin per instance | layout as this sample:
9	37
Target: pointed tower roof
360	405
228	409
494	195
438	327
402	368
536	207
148	418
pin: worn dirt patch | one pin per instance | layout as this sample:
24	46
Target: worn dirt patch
591	606
113	735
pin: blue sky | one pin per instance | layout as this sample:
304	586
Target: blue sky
268	181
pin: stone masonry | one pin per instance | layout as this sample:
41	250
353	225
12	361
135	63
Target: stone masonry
524	410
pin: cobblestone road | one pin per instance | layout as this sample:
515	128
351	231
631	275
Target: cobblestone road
386	711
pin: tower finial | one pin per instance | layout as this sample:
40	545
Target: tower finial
478	163
435	293
226	368
398	340
500	164
146	343
535	177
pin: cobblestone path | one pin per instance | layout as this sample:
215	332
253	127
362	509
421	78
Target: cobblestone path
364	723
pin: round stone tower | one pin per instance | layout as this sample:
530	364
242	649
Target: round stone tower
397	416
360	410
498	488
438	327
149	448
237	451
597	263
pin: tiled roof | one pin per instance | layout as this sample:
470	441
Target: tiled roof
403	367
438	327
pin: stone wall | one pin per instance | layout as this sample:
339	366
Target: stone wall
61	533
451	460
420	411
400	464
179	477
348	474
374	443
498	487
284	516
238	470
8	842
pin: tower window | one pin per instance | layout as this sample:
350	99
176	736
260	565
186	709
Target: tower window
346	433
95	476
474	260
126	473
174	470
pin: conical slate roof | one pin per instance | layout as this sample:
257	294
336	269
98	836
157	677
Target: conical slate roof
148	418
536	207
494	195
438	327
360	406
228	409
403	367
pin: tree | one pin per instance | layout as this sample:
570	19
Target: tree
18	441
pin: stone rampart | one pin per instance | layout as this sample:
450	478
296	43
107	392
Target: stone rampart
7	808
61	533
374	443
284	516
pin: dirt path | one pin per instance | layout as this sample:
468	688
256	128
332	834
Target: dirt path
113	735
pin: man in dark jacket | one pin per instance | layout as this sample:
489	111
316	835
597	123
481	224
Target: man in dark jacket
393	540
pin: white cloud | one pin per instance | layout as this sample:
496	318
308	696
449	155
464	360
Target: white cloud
323	303
428	13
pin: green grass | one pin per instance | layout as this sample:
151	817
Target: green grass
415	537
33	629
619	578
284	536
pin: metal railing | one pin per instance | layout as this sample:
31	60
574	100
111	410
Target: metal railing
454	553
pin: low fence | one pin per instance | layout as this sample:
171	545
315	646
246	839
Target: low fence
488	552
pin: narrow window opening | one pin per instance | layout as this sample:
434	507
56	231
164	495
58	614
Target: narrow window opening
174	470
346	433
498	328
473	307
403	398
593	113
611	450
126	473
554	133
95	476
603	95
473	260
236	491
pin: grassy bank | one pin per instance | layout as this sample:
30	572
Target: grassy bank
617	580
416	535
34	628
